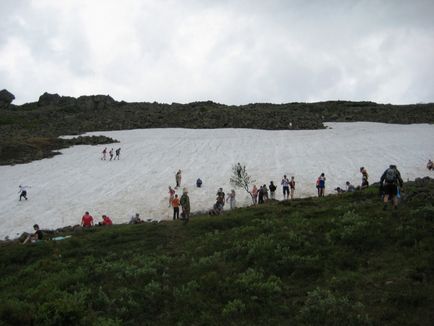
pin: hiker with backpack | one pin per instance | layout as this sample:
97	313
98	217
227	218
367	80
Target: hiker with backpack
111	154
430	165
390	183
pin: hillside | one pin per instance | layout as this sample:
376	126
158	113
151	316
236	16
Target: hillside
338	260
30	131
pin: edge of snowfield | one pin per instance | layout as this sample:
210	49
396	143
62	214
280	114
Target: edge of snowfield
65	186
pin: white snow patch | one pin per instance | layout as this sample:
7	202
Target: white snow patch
65	186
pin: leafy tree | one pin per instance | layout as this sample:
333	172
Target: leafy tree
241	179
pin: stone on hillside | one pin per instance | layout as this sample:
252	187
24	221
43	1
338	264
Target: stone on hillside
6	98
97	102
48	99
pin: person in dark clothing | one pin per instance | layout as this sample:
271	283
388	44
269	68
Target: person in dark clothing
111	154
198	183
185	205
239	170
272	188
261	195
118	153
390	182
37	236
23	191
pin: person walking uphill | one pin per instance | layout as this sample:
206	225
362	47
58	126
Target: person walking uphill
118	154
185	205
389	183
178	178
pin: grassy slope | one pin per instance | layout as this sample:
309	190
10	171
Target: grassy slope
339	260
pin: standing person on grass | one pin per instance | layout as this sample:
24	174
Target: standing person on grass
292	186
87	220
272	188
175	205
231	199
285	187
171	195
390	183
365	182
185	205
321	185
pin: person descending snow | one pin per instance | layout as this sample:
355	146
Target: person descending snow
292	186
23	191
171	195
178	178
231	199
285	184
118	153
321	185
392	181
365	176
104	154
87	220
272	188
198	183
111	154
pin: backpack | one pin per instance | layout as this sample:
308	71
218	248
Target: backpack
391	176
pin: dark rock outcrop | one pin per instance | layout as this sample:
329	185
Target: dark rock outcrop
95	102
6	98
48	99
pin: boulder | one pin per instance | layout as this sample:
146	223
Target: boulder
6	98
95	102
47	99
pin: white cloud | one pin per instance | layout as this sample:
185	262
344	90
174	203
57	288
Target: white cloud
232	52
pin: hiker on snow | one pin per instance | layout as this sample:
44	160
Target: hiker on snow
430	165
389	183
111	154
23	191
178	178
239	169
104	153
118	153
198	183
171	195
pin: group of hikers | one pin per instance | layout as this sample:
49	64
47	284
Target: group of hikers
117	152
391	185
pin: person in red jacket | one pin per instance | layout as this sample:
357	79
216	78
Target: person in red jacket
87	220
106	220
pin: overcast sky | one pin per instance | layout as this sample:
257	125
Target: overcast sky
232	52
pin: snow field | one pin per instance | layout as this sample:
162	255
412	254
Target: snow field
65	186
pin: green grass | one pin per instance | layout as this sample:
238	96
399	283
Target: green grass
339	260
